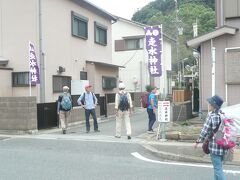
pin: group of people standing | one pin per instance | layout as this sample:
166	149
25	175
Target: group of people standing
123	108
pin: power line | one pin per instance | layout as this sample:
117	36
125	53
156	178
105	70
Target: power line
130	58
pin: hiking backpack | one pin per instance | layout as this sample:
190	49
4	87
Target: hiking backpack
66	102
123	103
144	99
226	136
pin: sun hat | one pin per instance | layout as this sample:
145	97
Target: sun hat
65	88
121	86
215	101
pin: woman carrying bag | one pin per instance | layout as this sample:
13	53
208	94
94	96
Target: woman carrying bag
210	127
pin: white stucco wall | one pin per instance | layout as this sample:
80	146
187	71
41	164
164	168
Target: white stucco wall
136	60
167	65
133	60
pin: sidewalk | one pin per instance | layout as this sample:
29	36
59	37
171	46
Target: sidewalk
178	146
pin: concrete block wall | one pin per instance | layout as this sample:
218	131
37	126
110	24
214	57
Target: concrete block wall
78	114
18	113
137	99
111	109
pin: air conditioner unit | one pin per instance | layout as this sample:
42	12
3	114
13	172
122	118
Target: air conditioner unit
109	82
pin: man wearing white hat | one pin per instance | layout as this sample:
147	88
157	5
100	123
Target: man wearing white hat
123	105
64	108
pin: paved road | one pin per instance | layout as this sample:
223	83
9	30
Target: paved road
139	123
94	156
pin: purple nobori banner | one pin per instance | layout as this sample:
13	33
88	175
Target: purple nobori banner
33	66
154	49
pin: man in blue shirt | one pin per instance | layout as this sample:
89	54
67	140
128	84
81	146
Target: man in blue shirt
151	109
88	101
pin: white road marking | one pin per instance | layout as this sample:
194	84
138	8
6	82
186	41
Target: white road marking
139	156
6	139
47	138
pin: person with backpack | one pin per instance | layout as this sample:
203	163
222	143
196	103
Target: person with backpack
64	108
151	109
123	107
88	101
210	127
145	96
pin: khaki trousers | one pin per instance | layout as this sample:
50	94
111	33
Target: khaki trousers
123	116
63	116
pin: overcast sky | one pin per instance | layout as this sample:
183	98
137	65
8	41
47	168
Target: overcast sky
122	8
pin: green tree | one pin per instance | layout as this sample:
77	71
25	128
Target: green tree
206	3
166	7
189	11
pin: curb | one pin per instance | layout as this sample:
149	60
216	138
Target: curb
182	158
175	157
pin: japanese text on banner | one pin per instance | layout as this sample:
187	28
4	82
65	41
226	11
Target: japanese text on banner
164	111
33	66
154	50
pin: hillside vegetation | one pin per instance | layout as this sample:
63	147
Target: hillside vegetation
189	12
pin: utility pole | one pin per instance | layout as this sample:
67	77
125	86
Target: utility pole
41	56
195	29
213	52
177	44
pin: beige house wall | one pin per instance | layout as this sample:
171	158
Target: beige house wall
227	14
95	74
226	92
19	25
104	71
62	49
5	80
234	95
59	46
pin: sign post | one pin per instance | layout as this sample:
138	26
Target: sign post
163	118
